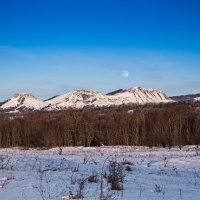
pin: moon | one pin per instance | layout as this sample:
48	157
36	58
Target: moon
125	73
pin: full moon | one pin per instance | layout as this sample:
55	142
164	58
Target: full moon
125	74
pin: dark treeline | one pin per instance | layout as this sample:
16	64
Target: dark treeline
172	125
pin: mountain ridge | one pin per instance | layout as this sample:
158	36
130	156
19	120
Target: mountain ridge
22	102
83	98
187	97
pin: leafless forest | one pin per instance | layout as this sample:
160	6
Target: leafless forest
163	125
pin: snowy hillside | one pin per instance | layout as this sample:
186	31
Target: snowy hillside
197	99
22	102
82	98
138	95
75	99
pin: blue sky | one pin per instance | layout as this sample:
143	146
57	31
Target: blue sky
50	47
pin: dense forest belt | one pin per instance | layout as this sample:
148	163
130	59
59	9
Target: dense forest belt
171	126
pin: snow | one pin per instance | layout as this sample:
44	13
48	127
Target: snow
197	99
83	98
76	99
23	100
136	95
156	173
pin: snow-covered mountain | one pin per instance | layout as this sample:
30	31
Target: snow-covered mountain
75	99
136	95
23	102
83	98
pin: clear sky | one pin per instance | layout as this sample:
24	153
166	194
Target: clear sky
50	47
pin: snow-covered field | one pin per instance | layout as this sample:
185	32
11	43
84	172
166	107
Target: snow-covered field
63	173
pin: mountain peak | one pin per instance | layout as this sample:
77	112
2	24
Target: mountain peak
136	88
84	98
24	95
23	101
85	92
